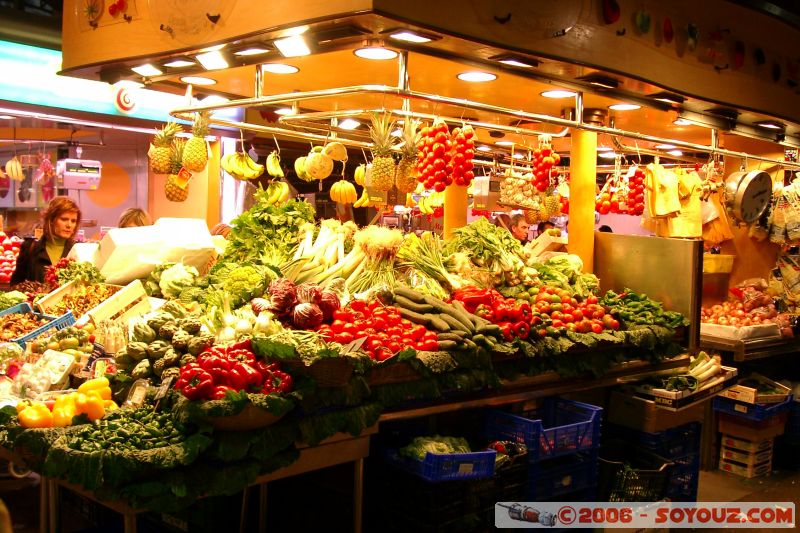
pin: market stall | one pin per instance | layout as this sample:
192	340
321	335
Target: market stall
164	367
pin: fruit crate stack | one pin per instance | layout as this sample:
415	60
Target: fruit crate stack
562	438
748	432
680	445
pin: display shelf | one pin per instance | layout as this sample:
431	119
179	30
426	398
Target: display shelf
750	349
541	386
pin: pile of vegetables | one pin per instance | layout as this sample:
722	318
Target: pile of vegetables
83	298
67	270
702	370
304	306
15	325
437	444
632	308
11	298
566	271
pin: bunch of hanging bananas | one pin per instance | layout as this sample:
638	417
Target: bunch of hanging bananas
343	192
363	200
14	169
278	192
360	174
274	168
427	204
242	167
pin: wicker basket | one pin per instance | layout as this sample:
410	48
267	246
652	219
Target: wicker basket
251	417
327	372
401	372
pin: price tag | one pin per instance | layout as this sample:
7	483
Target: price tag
164	388
353	346
183	178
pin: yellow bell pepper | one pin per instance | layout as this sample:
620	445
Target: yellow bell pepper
110	405
62	416
93	384
22	405
65	400
91	405
36	416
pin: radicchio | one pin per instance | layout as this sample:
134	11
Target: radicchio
307	316
283	295
309	293
329	304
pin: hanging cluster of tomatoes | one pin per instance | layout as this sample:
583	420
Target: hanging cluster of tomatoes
625	198
542	161
445	157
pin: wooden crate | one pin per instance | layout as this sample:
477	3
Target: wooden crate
129	301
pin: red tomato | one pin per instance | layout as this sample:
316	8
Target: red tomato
428	345
597	328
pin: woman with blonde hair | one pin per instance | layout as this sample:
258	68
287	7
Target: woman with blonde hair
134	217
60	223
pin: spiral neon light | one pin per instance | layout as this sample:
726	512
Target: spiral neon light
124	101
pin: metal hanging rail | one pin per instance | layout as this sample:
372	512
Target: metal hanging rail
403	91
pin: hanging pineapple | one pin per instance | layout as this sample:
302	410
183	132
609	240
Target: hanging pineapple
195	155
552	204
383	167
173	191
406	175
159	152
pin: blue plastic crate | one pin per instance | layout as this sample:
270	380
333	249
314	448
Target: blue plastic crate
55	323
548	480
446	467
671	443
560	427
751	411
793	423
684	479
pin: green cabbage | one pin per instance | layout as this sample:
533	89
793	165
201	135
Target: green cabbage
176	278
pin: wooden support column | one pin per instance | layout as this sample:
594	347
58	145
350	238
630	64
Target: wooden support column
455	209
582	184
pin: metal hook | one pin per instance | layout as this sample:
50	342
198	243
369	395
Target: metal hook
241	138
638	153
277	146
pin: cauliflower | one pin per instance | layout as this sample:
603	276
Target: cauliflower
176	278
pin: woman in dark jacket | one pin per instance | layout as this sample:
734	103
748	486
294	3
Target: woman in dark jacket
60	223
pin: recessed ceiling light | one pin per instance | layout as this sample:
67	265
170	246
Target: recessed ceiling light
349	124
397	132
515	61
598	80
665	146
624	107
285	111
558	93
293	46
198	80
375	52
215	48
279	68
504	143
604	149
253	51
410	37
668	98
676	153
214	99
128	84
212	60
519	156
484	148
146	70
178	63
770	124
6	117
608	155
477	76
681	122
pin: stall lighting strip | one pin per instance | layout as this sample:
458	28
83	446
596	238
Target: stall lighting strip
402	91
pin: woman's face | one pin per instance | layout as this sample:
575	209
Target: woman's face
64	225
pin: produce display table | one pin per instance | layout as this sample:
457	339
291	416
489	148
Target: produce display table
338	449
540	386
750	349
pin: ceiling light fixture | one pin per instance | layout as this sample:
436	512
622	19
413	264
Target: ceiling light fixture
598	80
128	84
668	98
604	149
665	146
349	124
294	46
179	63
214	99
285	111
146	70
477	76
515	61
675	153
505	143
212	60
608	155
252	51
558	93
624	107
484	148
411	37
376	52
198	80
7	117
279	68
771	125
681	122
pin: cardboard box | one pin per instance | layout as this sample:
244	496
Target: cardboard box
679	399
746	445
741	428
745	458
748	471
645	415
759	331
743	393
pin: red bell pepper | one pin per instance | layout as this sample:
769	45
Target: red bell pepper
218	366
244	377
220	391
264	368
241	355
525	312
522	329
279	381
195	383
508	331
246	344
485	311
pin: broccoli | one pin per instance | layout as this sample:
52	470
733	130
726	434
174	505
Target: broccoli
242	282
